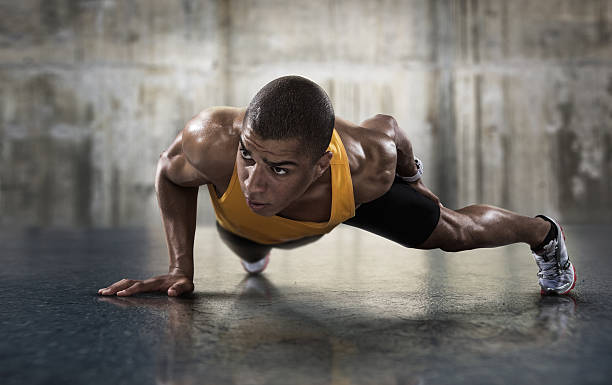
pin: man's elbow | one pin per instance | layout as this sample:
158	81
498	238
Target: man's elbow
162	168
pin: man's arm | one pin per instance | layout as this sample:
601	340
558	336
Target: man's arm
387	125
176	184
405	156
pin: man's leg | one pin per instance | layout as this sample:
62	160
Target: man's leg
405	216
246	249
487	226
479	226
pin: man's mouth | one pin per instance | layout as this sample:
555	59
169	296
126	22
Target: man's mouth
254	205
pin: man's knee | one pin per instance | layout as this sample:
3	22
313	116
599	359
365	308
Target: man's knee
460	239
452	233
245	249
462	233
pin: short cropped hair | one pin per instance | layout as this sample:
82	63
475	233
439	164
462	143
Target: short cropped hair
293	107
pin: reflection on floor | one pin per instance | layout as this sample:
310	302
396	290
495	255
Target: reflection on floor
352	308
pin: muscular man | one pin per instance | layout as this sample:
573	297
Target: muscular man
286	170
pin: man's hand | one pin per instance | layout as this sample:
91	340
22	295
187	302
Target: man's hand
174	284
420	187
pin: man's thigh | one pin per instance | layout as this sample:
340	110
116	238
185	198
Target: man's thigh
252	251
402	215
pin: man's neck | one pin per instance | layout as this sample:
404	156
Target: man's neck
314	205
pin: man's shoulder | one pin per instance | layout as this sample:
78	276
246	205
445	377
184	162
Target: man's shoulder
214	123
210	140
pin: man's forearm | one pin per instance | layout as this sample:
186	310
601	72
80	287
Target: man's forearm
405	156
178	207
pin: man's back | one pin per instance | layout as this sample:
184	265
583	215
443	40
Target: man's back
205	152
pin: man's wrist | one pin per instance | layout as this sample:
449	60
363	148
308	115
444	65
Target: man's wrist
417	175
176	270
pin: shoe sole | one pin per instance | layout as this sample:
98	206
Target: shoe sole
573	269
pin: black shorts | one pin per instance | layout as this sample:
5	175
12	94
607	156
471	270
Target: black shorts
402	215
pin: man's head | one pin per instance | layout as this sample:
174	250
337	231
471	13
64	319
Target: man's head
293	107
286	130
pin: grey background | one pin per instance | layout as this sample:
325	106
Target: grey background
506	102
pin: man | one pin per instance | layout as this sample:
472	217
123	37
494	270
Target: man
286	170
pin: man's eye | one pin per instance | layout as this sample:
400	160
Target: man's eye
279	171
245	154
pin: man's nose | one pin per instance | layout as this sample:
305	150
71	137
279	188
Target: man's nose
256	182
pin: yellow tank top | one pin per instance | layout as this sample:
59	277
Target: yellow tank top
234	214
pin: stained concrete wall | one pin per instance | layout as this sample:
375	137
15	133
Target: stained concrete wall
93	92
508	103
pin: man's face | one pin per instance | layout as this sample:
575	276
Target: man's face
272	173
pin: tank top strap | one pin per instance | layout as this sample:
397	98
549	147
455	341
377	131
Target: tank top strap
343	200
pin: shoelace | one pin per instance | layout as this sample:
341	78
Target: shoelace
548	269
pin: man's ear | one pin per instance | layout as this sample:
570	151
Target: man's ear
323	163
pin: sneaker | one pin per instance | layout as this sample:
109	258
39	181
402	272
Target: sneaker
256	267
557	274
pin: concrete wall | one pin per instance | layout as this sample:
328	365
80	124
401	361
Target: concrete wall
508	103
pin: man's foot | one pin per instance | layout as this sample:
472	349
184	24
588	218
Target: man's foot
256	267
557	274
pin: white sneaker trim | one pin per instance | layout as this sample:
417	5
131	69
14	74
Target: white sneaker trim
256	267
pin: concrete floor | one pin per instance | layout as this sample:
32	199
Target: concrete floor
350	309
